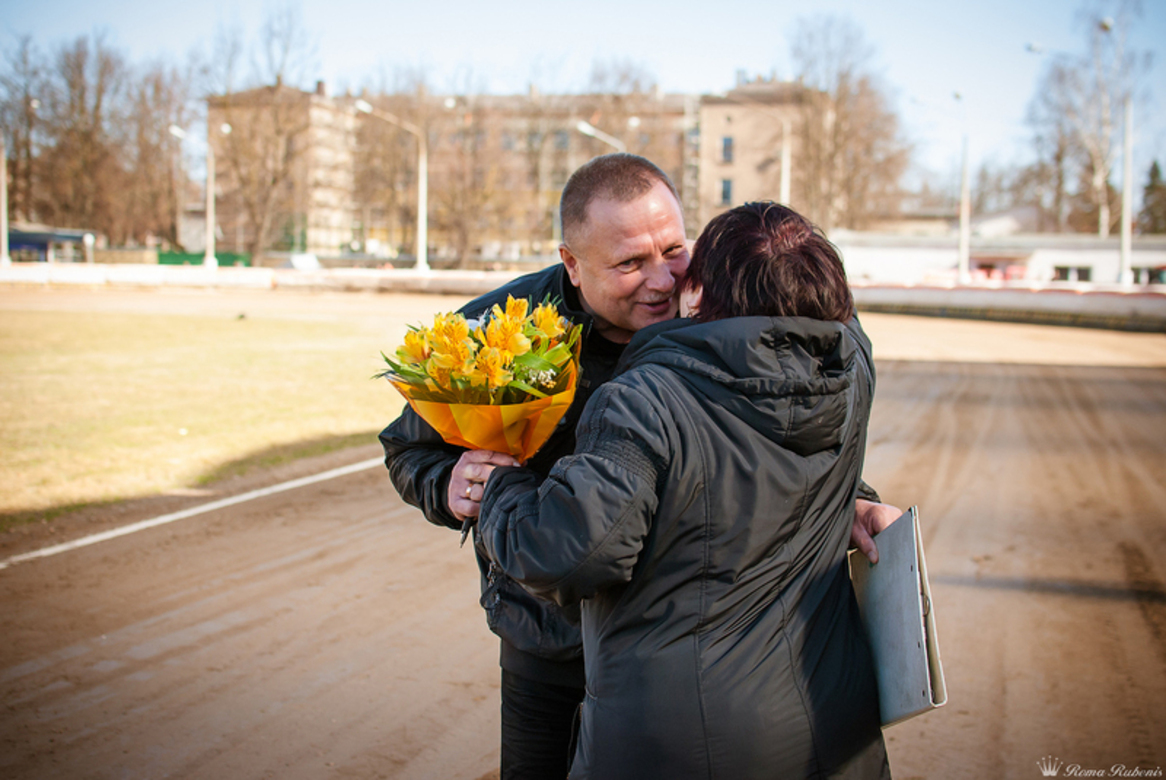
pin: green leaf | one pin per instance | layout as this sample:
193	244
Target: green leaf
535	363
524	387
558	356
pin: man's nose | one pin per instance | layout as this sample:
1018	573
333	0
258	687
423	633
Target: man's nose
660	276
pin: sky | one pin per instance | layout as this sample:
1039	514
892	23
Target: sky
923	52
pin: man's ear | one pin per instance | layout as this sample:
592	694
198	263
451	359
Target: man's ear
571	262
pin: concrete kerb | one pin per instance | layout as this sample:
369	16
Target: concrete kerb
336	279
1142	309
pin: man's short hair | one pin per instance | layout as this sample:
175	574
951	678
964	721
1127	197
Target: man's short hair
620	177
763	259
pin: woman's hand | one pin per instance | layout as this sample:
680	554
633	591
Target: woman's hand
467	481
869	519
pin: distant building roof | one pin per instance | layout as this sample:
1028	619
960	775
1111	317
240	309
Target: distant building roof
28	233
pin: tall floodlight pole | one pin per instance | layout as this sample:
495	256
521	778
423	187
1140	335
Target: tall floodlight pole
965	275
1125	276
364	107
5	258
209	260
422	201
586	128
965	239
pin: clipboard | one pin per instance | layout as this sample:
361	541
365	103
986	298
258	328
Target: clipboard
894	601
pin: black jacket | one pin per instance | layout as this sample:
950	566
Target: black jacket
540	641
704	522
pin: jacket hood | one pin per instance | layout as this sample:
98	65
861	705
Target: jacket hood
786	377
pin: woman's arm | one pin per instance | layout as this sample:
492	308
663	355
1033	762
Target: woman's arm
583	528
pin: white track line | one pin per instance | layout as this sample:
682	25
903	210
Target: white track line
197	510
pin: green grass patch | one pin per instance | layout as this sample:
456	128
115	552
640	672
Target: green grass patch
103	406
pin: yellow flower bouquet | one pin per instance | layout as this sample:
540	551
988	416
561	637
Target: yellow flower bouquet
501	384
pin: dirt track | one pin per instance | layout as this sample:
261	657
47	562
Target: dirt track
331	632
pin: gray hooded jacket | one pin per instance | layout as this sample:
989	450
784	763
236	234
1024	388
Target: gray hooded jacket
703	522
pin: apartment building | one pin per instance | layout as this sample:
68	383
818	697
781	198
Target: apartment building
341	180
747	145
284	169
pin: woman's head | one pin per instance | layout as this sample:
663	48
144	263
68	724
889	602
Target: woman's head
763	259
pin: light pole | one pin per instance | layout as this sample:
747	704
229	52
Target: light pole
1125	275
364	107
965	240
1125	271
208	259
586	128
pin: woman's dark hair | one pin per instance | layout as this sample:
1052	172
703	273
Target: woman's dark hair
763	259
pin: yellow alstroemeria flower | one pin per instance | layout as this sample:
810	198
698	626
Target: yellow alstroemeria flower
457	356
515	309
439	374
506	334
547	321
491	369
450	328
416	347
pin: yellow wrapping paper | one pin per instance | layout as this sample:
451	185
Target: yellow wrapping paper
519	429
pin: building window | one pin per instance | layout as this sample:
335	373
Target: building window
562	140
1146	275
727	149
1062	273
726	192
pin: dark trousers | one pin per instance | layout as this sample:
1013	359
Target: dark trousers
538	721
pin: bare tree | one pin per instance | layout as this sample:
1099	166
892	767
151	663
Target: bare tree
90	140
628	103
79	162
1079	100
386	158
852	154
1048	177
22	83
386	169
620	76
465	172
266	127
153	185
540	120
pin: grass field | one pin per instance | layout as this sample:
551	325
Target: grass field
103	400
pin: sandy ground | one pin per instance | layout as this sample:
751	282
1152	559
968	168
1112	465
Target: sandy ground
331	632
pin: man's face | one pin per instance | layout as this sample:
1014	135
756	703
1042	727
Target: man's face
628	260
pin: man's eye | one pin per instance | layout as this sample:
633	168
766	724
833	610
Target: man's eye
628	265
